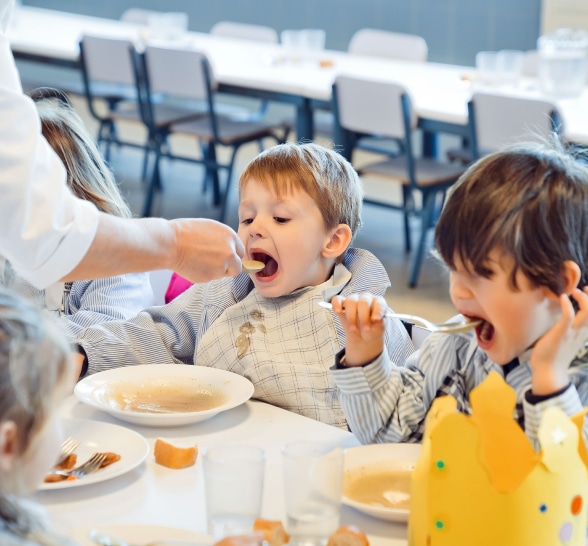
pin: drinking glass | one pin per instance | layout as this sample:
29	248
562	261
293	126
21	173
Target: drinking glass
313	39
487	68
233	481
562	62
510	66
313	479
170	25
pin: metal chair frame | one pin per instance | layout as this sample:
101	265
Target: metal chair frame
433	194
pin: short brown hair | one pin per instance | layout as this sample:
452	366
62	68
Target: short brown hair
322	173
531	202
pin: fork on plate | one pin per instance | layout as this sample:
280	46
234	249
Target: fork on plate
88	467
68	446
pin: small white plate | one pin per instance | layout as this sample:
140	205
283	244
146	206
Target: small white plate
141	534
96	436
377	457
235	389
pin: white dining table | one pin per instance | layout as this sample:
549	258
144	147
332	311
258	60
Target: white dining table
155	495
439	92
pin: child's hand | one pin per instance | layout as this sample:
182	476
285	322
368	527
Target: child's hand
555	351
362	318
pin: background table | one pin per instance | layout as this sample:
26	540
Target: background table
440	92
155	495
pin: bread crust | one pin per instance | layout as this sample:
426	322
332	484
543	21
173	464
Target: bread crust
171	456
348	535
273	531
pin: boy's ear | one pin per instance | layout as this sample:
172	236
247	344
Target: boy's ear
8	445
571	275
338	242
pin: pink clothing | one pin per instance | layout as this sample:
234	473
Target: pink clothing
176	286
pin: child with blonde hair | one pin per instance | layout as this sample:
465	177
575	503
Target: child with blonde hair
36	373
514	235
82	303
299	208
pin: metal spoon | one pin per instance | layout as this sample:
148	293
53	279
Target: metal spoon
445	328
252	266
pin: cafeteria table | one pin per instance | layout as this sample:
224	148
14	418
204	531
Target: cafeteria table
154	495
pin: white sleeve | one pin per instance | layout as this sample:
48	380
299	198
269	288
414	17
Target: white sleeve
45	231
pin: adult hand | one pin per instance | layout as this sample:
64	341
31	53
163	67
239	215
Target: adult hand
5	12
206	250
554	352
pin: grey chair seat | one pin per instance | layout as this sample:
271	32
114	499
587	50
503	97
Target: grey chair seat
428	172
230	131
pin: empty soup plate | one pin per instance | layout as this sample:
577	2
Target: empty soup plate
377	479
164	394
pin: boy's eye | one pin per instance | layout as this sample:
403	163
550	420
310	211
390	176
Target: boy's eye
280	220
247	221
485	272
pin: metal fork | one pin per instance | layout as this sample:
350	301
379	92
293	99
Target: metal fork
68	446
444	328
89	467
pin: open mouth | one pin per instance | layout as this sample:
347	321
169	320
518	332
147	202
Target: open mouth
271	266
484	331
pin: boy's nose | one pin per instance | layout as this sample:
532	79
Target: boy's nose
457	289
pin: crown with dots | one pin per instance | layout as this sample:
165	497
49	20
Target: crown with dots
479	481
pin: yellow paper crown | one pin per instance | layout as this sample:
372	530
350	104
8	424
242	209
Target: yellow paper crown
479	482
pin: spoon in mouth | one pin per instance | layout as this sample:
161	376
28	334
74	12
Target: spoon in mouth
252	266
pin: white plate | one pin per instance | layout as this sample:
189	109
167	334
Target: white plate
141	534
393	456
97	436
235	388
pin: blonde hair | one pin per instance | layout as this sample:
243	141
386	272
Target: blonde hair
322	173
88	176
35	359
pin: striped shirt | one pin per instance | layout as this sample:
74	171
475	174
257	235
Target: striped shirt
85	303
283	345
387	402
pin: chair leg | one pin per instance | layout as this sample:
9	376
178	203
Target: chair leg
212	172
223	212
154	184
145	163
426	222
407	201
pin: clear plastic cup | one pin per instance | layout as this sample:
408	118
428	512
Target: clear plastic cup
510	67
487	68
313	480
562	62
233	481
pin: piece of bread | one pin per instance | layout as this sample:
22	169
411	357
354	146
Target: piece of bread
68	463
253	539
348	535
273	531
172	456
110	458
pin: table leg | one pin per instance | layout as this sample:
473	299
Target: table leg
304	121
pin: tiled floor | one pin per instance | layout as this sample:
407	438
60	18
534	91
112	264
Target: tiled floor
381	233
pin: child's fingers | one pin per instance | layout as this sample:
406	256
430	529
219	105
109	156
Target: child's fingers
567	311
337	303
581	297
